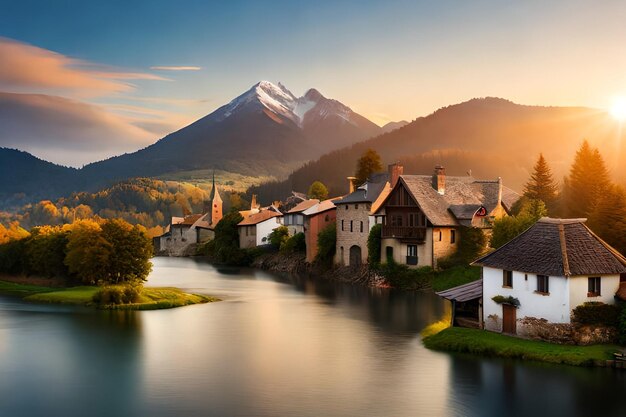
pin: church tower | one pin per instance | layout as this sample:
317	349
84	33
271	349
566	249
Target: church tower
214	206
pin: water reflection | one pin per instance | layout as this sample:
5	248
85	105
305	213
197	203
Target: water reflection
277	346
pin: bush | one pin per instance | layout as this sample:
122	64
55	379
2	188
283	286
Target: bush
278	236
597	313
327	244
622	327
500	299
118	294
296	243
405	278
373	245
472	243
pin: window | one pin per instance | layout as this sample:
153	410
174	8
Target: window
440	236
452	236
396	220
351	222
361	227
507	279
247	231
342	227
346	207
356	206
593	287
543	284
411	254
326	218
413	220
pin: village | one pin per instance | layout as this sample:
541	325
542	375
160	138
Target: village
543	284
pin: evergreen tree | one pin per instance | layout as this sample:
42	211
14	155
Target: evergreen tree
541	185
608	218
587	182
367	165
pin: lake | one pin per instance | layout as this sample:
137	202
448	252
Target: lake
276	346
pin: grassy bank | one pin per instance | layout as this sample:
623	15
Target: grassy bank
454	277
151	298
480	342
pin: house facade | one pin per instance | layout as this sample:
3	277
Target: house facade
547	271
254	230
294	218
316	218
423	214
355	218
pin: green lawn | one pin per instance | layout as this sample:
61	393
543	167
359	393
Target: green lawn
481	342
454	277
152	298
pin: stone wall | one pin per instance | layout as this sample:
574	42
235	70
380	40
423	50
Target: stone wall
444	247
565	333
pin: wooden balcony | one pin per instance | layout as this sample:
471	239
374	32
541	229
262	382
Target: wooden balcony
414	234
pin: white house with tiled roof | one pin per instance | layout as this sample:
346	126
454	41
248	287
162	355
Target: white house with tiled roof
422	214
254	230
550	269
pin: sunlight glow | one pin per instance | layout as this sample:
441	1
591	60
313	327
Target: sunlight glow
618	110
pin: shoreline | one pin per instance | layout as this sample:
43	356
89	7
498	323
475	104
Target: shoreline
479	342
152	298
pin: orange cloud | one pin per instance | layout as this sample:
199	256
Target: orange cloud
29	68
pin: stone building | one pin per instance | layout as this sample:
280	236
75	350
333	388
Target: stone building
355	219
422	214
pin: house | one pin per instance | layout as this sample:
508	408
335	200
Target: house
316	218
546	272
422	215
355	218
184	232
254	230
294	218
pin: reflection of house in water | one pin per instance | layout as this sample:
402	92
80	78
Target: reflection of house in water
183	233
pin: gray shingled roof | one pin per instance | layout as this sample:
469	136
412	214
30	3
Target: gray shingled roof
557	247
462	194
367	193
465	292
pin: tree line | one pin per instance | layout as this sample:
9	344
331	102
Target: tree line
586	192
90	252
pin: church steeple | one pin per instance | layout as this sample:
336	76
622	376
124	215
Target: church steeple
214	205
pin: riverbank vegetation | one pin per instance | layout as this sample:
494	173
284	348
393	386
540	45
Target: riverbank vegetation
481	342
109	298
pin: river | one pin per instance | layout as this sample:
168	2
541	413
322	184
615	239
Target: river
275	346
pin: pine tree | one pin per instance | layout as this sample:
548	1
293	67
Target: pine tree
367	165
541	185
608	218
587	182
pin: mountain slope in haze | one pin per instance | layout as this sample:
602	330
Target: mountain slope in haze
265	131
491	137
21	171
393	126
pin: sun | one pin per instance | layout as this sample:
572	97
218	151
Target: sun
618	110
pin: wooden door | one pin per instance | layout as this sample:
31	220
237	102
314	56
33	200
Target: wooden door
509	318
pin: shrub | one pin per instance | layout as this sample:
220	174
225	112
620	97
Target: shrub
597	313
622	327
295	243
327	244
405	278
118	294
500	299
373	245
278	236
472	243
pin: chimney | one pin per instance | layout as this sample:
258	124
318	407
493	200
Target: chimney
395	170
351	184
439	179
253	204
499	190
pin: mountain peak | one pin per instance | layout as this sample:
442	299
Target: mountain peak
313	95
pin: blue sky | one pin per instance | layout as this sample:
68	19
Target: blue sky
388	60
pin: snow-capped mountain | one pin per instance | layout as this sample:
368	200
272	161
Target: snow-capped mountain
267	130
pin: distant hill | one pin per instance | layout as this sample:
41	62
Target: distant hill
21	172
490	136
393	126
